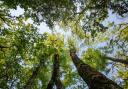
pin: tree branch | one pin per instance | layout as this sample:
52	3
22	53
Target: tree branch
118	60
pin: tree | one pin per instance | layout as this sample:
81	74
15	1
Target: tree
93	78
26	55
34	75
98	56
51	11
55	75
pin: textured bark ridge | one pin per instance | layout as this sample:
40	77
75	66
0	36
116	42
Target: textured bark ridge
55	75
93	78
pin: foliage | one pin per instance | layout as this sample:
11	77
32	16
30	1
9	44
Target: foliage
23	48
95	58
44	10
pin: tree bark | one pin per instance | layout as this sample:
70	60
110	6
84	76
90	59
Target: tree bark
93	78
59	84
55	74
50	84
125	62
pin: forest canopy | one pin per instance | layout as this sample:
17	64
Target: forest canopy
88	50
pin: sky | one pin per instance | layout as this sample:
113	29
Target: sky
19	11
113	17
44	28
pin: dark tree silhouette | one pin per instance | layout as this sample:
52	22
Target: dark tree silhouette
55	75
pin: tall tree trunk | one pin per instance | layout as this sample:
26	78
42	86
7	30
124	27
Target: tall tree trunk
59	84
125	62
30	81
55	75
93	78
50	84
